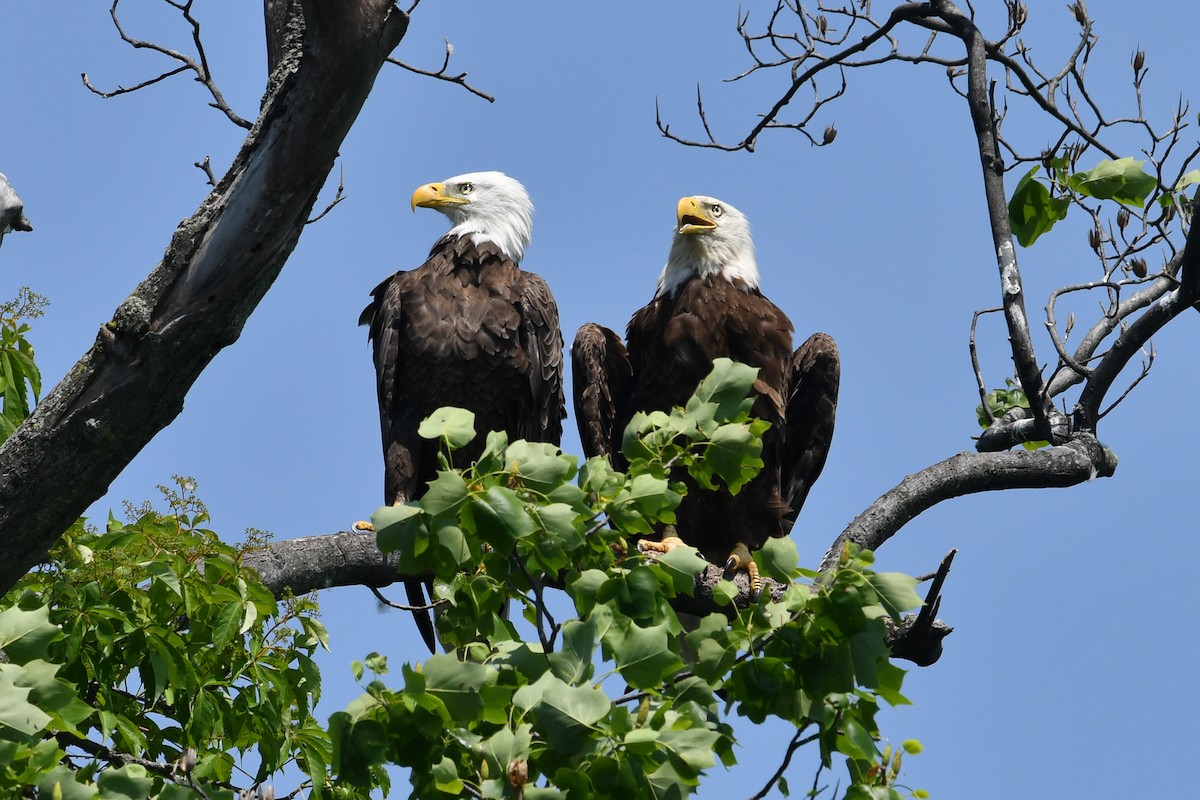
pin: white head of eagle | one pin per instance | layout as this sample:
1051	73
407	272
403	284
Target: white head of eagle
711	237
488	206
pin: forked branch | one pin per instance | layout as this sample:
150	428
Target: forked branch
197	65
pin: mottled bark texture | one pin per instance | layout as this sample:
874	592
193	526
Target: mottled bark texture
218	265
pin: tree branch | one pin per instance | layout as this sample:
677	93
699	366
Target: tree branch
218	266
198	65
349	558
1080	459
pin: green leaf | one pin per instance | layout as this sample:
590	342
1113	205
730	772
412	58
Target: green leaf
778	558
541	465
573	663
1189	179
130	782
65	783
25	635
897	592
728	386
563	714
681	566
643	655
458	685
1032	211
734	453
445	492
445	777
16	712
1122	180
454	425
506	745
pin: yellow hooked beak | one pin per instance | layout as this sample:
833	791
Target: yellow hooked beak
433	195
692	217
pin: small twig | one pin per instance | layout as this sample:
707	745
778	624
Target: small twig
1146	365
979	381
796	743
198	65
206	168
337	198
401	606
442	74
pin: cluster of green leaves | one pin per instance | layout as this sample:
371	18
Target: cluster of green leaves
1035	207
1002	401
501	715
146	644
19	375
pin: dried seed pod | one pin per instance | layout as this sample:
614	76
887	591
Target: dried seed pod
1096	239
1139	60
822	24
518	773
1138	265
1122	217
830	134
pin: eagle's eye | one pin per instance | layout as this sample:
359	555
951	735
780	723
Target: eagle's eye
717	211
466	188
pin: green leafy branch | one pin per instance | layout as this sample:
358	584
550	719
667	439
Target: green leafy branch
146	662
19	375
1035	208
507	715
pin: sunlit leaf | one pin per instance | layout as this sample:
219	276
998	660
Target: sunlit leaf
1123	180
1032	211
455	425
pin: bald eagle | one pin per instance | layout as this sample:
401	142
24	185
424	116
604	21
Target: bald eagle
708	305
468	328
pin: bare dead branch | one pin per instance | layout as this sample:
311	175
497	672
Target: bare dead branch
443	74
197	65
206	167
979	381
338	197
798	741
400	606
1080	459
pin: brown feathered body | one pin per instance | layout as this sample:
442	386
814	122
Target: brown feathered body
468	328
670	346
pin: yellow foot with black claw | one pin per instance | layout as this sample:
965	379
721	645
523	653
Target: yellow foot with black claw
362	526
740	560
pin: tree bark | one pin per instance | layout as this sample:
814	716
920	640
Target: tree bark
217	267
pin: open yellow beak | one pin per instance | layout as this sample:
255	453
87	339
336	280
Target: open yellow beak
433	195
692	218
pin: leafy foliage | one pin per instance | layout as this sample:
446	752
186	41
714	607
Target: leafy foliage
1035	208
145	661
19	375
501	714
1002	401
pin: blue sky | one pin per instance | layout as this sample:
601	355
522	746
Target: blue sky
1066	674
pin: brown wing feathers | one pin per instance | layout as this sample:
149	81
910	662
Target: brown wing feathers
469	329
672	342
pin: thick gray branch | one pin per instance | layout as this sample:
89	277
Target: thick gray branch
1080	459
219	264
311	563
1012	291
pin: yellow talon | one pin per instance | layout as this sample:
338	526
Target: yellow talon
666	545
741	560
362	526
